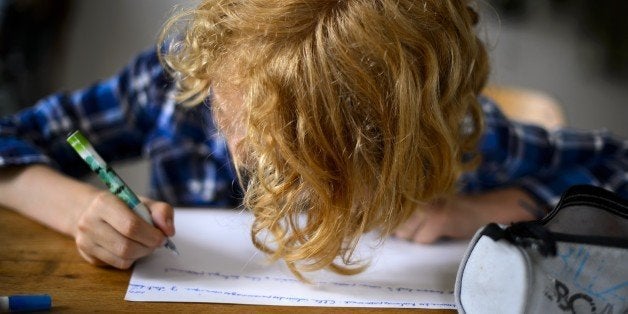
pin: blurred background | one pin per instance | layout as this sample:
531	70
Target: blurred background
573	50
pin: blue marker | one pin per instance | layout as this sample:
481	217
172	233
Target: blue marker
25	303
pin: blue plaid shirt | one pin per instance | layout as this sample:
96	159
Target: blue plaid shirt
134	114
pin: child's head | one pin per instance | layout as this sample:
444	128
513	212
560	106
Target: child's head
347	111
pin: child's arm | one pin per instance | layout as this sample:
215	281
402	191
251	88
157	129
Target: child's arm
461	215
522	166
117	114
105	230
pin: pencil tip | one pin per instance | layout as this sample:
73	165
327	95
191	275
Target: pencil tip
170	245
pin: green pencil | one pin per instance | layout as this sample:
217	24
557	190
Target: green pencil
115	184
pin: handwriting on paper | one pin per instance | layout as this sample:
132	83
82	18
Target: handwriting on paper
141	289
253	279
210	269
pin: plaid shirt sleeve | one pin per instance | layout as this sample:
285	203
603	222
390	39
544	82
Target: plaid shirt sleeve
546	163
114	114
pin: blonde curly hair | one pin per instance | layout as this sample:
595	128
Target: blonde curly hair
354	111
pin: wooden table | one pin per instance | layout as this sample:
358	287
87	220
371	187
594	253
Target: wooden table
35	259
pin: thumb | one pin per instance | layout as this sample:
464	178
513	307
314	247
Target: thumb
162	214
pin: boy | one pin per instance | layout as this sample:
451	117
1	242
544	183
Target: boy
359	115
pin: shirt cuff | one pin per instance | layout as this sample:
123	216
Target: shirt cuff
16	152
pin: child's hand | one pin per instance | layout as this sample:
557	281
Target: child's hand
460	216
447	218
109	233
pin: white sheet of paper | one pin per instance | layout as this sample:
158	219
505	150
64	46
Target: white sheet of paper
218	264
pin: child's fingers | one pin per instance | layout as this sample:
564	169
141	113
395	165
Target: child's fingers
163	215
409	227
426	225
89	258
109	232
445	223
101	243
118	245
117	214
98	255
431	231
